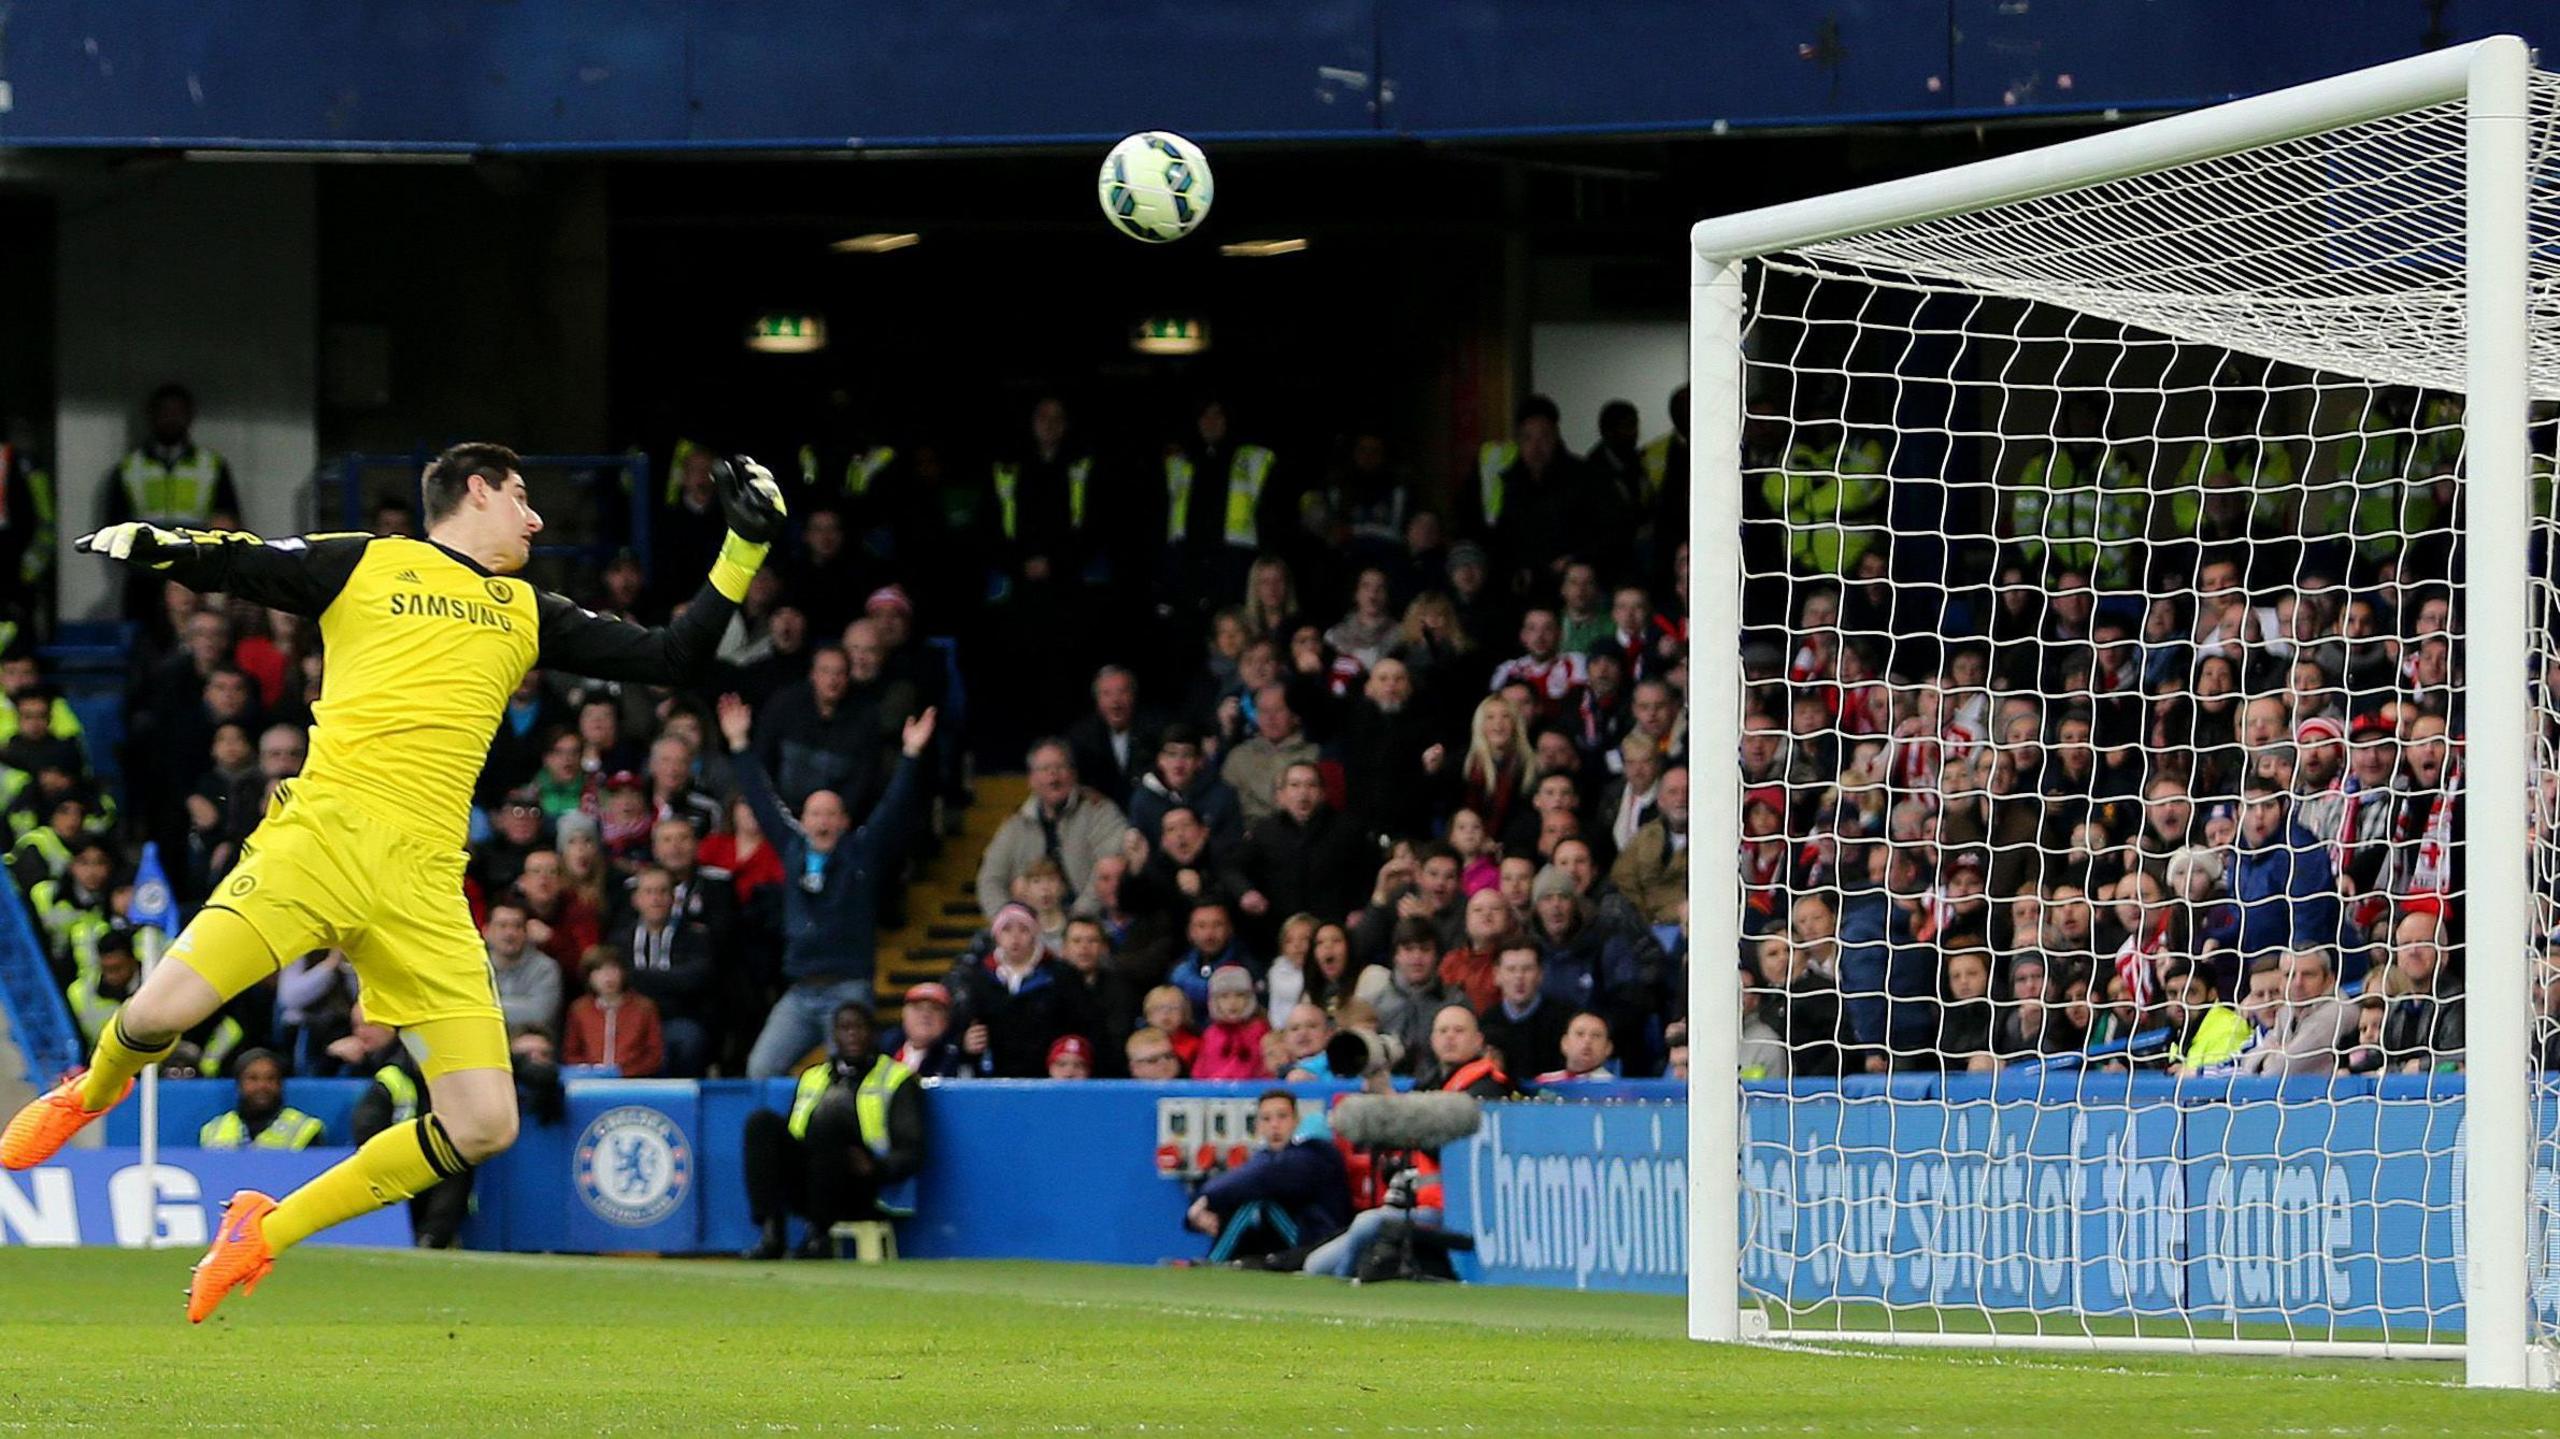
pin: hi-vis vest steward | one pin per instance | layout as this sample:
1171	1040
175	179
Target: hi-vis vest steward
1496	457
64	922
403	1091
292	1129
1656	456
871	1107
2271	474
1833	499
1009	493
179	494
2093	524
1247	474
859	471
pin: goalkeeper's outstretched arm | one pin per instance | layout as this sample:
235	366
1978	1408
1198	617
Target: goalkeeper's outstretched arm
583	642
299	575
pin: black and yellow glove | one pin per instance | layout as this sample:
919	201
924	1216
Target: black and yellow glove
752	502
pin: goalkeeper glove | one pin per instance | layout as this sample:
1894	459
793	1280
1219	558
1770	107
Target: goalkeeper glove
753	505
133	542
750	498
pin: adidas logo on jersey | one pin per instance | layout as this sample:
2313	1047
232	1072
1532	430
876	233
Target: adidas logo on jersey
408	577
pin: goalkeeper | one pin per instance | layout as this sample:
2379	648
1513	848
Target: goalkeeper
363	852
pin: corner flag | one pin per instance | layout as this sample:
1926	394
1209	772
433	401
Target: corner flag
153	903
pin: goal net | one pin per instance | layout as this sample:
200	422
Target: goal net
2146	690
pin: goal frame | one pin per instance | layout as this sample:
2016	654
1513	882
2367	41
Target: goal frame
2493	76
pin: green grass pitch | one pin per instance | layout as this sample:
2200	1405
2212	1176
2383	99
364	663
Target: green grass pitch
342	1341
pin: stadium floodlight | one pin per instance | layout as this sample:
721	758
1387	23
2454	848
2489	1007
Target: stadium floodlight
2180	398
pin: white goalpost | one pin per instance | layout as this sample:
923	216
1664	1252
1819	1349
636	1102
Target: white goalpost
2128	567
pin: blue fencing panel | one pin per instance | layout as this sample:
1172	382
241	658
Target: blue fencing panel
1578	1196
2326	1216
103	1196
1994	1197
185	1105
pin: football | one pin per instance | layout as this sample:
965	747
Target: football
1155	186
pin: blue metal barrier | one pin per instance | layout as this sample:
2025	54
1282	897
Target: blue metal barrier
38	1018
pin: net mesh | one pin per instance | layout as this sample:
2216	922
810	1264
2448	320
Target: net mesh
2104	690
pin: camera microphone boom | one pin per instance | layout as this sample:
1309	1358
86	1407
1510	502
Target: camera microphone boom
1406	1121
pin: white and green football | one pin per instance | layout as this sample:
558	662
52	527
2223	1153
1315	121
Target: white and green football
1155	186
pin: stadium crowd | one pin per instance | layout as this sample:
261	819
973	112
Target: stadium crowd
1307	754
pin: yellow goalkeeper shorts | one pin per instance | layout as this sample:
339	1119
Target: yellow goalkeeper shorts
319	873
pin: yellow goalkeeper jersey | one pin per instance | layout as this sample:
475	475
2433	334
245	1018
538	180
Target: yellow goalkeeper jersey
424	648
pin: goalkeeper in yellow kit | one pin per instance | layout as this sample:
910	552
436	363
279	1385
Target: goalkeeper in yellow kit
426	640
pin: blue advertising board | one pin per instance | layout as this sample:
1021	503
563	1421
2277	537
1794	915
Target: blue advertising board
2333	1207
107	1197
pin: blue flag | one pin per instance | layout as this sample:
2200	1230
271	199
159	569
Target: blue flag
153	903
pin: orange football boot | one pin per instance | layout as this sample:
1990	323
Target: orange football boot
238	1259
38	1132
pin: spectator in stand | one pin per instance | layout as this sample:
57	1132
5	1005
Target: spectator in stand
259	1118
2280	876
786	657
1179	781
1069	824
1151	1055
2204	1032
2423	1030
703	895
1586	1052
1231	1045
1553	674
1523	1024
922	1039
1087	951
1114	744
672	793
609	1024
1598	960
527	980
1654	708
1497	774
1413	992
1422	884
562	781
557	922
1303	858
1366	630
1290	1197
1254	767
1168	1012
1469	969
1213	946
810	738
499	859
1177	875
855	1134
1653	871
833	872
2314	1027
1629	797
1017	1001
670	961
1388	743
1071	1057
751	860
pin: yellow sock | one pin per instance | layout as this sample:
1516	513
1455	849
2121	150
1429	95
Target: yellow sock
116	1060
401	1161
